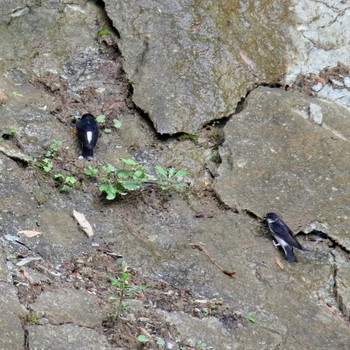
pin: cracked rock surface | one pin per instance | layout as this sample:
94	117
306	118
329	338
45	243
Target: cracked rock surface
186	58
168	67
300	168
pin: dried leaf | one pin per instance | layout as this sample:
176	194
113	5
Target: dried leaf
84	224
29	233
279	262
26	275
248	61
321	80
145	332
205	215
229	273
333	312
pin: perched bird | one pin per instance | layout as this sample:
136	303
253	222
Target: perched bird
284	236
87	130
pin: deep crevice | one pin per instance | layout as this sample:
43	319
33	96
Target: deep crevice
102	6
254	216
219	122
26	340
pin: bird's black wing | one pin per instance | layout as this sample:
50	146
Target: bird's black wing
281	230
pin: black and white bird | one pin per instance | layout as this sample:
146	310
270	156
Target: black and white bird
87	130
284	236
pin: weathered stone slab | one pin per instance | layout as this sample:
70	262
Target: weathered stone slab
68	337
82	309
320	37
277	159
61	236
11	311
190	62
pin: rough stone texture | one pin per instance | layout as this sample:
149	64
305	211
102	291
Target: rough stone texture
3	267
321	34
60	232
11	311
275	159
68	337
281	300
221	50
41	49
82	309
191	62
207	328
342	283
14	188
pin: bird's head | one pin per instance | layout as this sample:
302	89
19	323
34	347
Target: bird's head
271	217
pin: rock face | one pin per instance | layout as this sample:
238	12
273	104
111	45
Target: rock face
313	34
276	158
191	62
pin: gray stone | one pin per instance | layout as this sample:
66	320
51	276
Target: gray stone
207	330
342	283
347	82
13	186
61	235
314	35
275	160
3	266
67	337
188	64
11	151
222	49
11	311
69	306
316	113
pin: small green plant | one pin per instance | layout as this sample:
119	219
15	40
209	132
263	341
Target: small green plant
160	342
33	318
11	131
170	179
2	139
116	123
111	191
104	32
124	287
66	182
251	317
91	172
142	339
58	177
201	345
133	175
130	178
54	148
109	169
70	181
101	119
16	94
47	165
